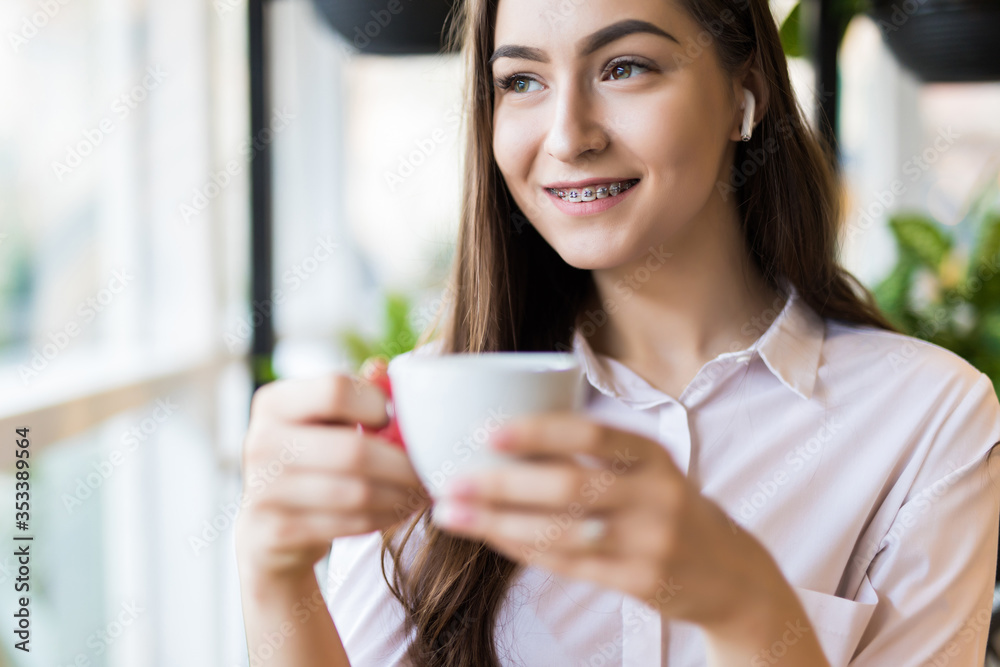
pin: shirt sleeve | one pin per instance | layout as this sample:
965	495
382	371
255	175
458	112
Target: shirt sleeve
935	570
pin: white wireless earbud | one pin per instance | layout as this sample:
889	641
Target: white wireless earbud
749	104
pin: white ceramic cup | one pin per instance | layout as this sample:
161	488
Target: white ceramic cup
448	406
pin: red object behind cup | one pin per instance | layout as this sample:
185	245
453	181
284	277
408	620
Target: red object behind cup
374	370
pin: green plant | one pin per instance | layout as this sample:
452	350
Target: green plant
943	292
791	28
398	336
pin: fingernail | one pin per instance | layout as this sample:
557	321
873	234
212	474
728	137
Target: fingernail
448	513
458	488
501	440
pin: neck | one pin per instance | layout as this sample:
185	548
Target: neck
671	312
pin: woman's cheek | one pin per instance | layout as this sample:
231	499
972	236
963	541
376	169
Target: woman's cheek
508	141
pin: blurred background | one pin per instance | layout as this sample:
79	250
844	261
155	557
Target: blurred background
197	197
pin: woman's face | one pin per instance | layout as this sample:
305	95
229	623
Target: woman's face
639	106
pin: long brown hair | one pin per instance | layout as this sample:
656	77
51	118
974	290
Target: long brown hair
510	291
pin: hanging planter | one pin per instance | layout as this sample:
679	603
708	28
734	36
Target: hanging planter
938	40
942	40
389	27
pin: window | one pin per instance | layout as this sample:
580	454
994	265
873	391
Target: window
122	254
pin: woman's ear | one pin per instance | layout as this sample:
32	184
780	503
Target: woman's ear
754	82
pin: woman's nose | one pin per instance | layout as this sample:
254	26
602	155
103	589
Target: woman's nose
577	127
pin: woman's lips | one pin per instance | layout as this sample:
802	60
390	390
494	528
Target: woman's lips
590	207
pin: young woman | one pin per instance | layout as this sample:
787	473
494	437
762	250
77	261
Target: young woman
787	479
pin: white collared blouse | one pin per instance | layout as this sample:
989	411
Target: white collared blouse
858	457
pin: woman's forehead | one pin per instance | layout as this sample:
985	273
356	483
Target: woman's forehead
564	24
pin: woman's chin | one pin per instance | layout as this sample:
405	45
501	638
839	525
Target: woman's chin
590	258
590	247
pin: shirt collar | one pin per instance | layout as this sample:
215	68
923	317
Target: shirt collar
790	347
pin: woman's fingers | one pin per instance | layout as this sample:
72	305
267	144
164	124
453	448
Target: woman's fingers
333	398
336	449
545	485
291	532
334	493
310	475
631	533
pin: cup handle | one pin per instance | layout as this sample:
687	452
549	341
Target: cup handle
374	370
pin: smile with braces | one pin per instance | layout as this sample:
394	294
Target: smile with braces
590	193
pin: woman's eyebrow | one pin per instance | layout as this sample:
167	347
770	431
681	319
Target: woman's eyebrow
587	45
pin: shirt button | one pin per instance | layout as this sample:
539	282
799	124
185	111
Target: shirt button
743	358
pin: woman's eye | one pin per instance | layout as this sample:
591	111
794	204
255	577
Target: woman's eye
522	84
625	70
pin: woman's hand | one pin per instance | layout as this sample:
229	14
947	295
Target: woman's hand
665	541
310	475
